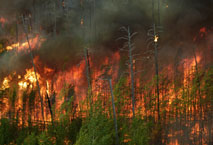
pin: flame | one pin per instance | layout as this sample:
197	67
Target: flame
29	79
31	76
63	4
189	67
82	21
203	30
22	85
156	39
34	43
48	88
5	83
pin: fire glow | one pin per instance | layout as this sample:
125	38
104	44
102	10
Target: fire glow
3	21
33	42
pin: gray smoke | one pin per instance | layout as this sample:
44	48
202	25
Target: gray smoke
180	19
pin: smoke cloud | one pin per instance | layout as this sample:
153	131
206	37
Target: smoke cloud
97	28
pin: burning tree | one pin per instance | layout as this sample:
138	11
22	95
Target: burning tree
52	54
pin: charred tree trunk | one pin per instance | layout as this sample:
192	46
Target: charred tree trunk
157	72
34	67
50	108
17	33
86	56
158	12
153	6
55	19
131	70
114	112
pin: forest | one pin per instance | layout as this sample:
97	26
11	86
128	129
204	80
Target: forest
106	72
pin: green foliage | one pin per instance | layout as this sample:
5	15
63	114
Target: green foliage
65	130
7	131
31	140
139	132
208	87
41	139
44	139
96	133
96	130
73	129
22	134
122	93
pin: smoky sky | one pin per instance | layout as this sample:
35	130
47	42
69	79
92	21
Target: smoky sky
181	20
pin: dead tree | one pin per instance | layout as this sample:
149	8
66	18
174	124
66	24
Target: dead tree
114	113
49	104
158	12
108	78
34	67
129	47
86	55
153	35
87	62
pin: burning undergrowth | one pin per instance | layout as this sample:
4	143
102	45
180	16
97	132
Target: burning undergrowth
59	38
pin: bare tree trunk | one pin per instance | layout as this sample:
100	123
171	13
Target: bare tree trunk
157	73
35	71
55	21
114	112
158	12
50	108
131	71
17	31
89	93
153	14
94	15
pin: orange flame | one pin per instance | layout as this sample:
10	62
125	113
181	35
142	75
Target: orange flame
5	83
34	43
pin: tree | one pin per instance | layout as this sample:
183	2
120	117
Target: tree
34	67
129	47
153	35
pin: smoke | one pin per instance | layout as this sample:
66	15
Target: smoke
181	20
14	7
61	52
11	63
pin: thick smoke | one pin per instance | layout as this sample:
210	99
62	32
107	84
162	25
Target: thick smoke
15	7
181	20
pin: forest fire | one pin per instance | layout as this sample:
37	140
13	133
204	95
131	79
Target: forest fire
5	83
71	75
34	43
29	79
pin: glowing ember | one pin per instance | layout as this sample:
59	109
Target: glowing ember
156	39
30	75
5	83
203	30
22	85
29	79
82	21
